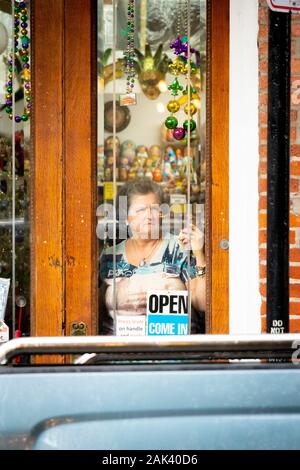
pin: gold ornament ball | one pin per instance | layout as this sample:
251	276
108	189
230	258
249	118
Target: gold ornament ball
173	106
192	109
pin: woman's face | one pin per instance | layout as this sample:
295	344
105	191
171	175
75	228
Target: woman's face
143	216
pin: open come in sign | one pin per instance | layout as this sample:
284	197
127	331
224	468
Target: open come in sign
167	313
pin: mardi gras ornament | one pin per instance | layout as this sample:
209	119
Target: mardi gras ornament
151	69
20	53
180	66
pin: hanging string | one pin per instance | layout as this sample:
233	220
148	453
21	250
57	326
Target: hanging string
114	167
187	17
129	52
143	24
20	50
182	18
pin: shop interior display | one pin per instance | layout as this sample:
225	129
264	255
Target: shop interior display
153	65
166	164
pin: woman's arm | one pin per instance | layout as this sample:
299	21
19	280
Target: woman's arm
198	285
193	240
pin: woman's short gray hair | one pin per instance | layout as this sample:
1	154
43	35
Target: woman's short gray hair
138	187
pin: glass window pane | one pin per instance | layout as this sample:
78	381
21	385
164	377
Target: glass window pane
151	167
14	165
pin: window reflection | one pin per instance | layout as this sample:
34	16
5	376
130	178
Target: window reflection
151	170
15	165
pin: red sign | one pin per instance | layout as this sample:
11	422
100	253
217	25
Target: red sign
285	5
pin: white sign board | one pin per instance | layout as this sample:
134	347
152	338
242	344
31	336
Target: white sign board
4	288
131	325
285	5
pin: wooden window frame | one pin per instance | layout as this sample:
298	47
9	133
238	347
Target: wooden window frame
63	167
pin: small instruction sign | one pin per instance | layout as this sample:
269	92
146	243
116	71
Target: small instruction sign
128	99
285	5
108	191
167	313
131	325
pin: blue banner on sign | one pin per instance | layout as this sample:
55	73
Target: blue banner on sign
167	325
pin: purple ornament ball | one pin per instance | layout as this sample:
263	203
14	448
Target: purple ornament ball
178	133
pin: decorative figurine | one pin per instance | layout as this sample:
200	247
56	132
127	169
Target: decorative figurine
123	173
124	162
140	172
131	174
157	175
150	163
142	154
108	174
128	150
109	158
152	69
148	173
100	164
108	144
155	152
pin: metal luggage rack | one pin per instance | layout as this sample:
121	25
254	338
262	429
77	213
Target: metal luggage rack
190	348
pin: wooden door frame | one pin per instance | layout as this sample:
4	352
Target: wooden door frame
63	169
217	165
63	192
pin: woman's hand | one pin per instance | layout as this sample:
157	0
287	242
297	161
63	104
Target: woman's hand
193	238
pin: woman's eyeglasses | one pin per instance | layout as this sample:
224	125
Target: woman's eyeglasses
142	210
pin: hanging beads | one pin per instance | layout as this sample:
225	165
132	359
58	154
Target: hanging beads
180	65
22	51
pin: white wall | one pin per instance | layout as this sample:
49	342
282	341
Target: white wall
243	163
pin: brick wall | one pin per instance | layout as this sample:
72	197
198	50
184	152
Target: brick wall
294	166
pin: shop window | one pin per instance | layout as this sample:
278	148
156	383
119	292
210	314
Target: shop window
14	168
151	166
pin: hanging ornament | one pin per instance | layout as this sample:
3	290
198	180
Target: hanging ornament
182	65
129	98
179	133
151	68
21	52
171	122
190	109
192	125
175	87
173	106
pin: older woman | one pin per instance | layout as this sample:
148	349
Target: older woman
146	262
